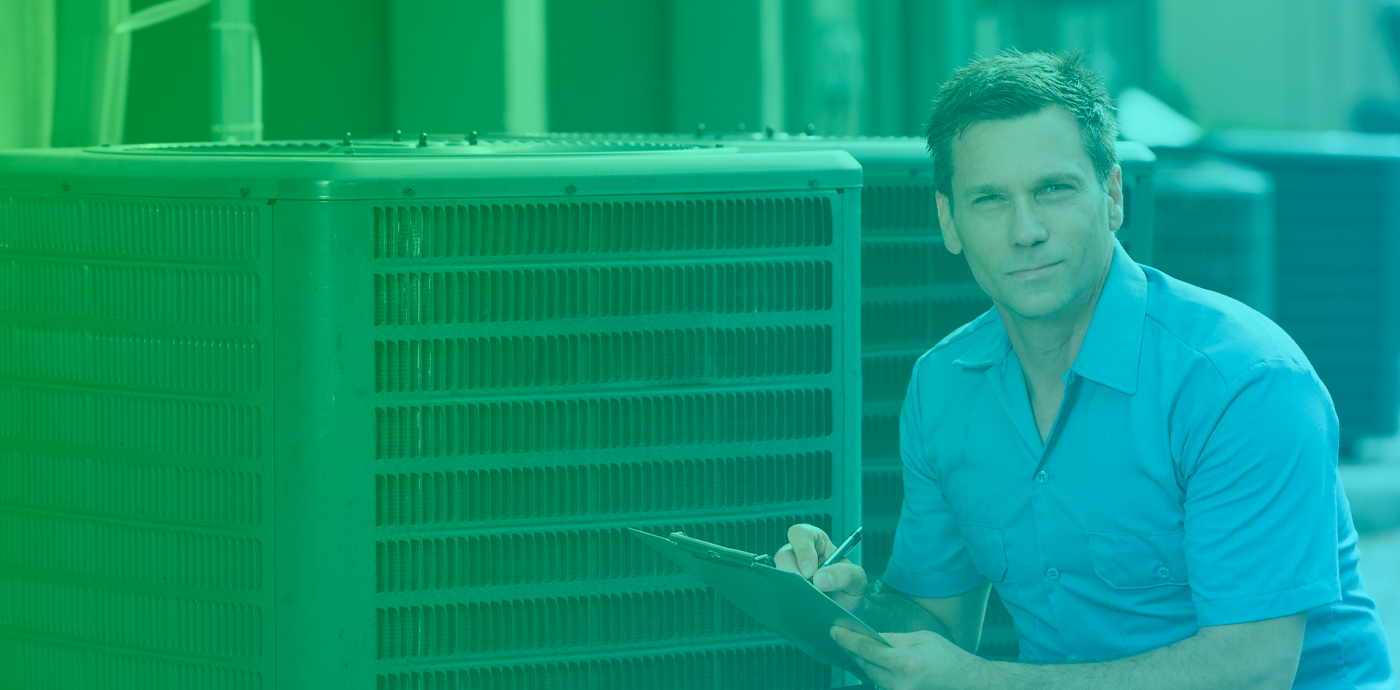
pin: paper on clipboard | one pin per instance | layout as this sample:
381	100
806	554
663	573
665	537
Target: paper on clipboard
783	601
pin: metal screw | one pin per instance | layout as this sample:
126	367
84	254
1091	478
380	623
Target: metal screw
571	190
699	130
346	141
422	140
244	192
812	184
811	129
471	138
742	128
768	131
67	186
398	135
408	192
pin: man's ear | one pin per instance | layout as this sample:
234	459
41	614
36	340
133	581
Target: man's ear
945	222
1114	187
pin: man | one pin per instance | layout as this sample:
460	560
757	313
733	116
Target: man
1145	470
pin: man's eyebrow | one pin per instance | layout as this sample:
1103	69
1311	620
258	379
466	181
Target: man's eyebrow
1048	178
979	190
1061	176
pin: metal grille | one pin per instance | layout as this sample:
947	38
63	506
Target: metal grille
576	361
1215	227
134	522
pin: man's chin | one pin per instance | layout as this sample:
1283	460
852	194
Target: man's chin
1034	309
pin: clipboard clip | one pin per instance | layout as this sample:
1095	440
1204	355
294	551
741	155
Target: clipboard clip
719	554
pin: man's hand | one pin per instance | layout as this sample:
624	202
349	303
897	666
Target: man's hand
1260	655
918	661
807	547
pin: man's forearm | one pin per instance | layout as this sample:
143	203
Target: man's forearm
1215	660
887	610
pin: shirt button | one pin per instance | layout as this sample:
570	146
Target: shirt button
1053	574
1163	572
1042	477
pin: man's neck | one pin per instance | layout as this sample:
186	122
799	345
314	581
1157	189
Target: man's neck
1048	345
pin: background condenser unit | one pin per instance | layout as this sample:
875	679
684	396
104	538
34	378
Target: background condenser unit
369	414
1215	226
1338	262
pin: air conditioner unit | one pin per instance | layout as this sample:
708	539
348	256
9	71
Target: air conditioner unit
377	414
1338	262
1215	226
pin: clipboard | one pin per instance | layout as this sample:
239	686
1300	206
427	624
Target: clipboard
782	601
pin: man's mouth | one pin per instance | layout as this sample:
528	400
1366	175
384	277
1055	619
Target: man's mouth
1035	270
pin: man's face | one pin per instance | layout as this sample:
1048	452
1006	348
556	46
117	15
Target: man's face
1031	216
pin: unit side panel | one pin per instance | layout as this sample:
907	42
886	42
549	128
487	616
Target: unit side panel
699	335
509	384
134	454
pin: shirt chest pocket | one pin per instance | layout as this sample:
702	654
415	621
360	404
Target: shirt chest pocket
1138	561
988	547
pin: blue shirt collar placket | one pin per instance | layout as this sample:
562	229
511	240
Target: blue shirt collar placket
1112	346
1109	355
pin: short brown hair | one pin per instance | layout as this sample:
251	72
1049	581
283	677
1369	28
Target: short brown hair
1014	84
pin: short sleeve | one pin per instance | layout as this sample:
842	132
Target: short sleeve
1261	501
929	557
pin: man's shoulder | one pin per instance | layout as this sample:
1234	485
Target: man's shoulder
963	339
1226	333
937	371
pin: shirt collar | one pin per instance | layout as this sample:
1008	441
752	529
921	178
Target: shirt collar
1112	345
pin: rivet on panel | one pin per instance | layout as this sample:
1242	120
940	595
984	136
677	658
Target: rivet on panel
408	192
571	190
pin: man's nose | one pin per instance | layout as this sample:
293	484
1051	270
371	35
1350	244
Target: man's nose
1027	230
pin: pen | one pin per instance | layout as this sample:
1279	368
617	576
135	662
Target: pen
844	549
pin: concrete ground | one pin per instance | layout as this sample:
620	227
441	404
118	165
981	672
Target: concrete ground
1380	572
1373	489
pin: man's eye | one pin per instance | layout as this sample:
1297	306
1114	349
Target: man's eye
984	198
1055	188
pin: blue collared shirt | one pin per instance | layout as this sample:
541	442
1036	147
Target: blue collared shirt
1189	480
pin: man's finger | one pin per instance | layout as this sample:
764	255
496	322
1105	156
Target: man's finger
841	577
909	639
858	644
808	543
784	559
876	672
879	675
